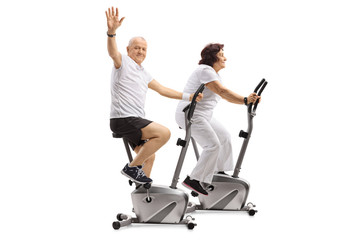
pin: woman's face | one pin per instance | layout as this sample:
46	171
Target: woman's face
220	63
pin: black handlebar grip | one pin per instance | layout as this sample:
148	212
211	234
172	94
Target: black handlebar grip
193	101
250	106
261	90
259	85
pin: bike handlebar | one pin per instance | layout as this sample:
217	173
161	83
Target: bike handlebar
259	85
251	106
192	105
262	84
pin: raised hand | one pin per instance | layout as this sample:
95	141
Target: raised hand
113	21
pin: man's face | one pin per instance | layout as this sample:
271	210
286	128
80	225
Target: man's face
137	50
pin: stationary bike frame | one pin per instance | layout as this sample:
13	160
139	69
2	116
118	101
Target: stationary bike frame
156	203
227	192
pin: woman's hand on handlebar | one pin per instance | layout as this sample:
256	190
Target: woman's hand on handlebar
199	97
253	97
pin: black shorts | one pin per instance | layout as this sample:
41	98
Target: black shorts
130	128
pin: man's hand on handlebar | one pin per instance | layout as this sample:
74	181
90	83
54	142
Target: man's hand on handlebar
199	97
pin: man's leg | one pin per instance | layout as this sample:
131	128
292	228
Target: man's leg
157	136
148	163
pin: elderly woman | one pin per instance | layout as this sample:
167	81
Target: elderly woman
214	139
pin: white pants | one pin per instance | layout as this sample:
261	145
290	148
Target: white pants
215	141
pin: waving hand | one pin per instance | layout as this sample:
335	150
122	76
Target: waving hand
113	21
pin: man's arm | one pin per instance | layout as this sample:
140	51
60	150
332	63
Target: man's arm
164	91
170	93
113	23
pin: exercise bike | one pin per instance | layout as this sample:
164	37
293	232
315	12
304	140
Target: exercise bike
227	192
156	203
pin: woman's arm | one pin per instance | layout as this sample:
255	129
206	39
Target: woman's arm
229	95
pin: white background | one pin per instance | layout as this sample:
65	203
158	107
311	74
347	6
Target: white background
60	168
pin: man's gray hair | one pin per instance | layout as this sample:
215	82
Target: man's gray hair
133	38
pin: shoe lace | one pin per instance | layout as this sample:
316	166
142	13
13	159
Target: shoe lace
140	173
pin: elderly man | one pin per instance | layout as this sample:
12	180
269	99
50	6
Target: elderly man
129	85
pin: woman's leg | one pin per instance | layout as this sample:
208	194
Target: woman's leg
225	159
206	137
